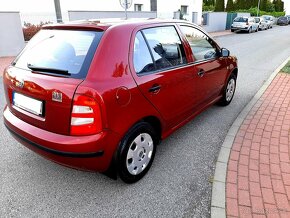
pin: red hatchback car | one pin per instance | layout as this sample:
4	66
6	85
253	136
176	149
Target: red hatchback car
100	96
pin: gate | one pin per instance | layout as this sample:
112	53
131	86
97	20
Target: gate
230	18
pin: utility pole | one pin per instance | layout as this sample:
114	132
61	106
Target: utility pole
57	11
258	8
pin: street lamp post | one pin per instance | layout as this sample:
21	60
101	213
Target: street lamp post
258	8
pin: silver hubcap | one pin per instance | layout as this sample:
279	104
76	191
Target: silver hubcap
230	89
139	153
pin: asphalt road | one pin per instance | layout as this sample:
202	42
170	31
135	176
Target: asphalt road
178	184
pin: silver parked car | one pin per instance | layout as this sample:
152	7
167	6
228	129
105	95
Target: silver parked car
262	25
269	20
247	24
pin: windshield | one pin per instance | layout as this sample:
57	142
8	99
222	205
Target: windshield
68	51
241	19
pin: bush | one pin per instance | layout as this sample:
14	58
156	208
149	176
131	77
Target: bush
29	30
208	8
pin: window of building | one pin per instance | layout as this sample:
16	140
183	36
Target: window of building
184	9
138	7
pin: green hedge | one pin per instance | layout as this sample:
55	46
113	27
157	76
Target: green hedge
253	12
286	68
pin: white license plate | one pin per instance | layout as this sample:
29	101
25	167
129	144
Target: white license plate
26	103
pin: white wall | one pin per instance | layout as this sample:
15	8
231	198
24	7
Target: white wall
216	21
11	35
35	11
287	6
166	8
197	7
85	15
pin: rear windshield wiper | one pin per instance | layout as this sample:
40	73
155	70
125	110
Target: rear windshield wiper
48	70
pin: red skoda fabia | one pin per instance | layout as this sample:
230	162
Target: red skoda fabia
100	96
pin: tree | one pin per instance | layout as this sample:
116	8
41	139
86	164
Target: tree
220	5
208	2
270	7
241	4
263	5
279	5
230	6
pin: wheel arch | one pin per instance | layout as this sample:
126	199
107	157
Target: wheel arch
235	72
155	123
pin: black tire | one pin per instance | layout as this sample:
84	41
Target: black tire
224	101
139	130
250	30
232	31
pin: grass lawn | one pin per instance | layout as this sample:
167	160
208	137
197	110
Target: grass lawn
286	68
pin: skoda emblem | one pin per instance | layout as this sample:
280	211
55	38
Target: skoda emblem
19	83
57	96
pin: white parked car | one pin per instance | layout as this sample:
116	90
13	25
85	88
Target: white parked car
269	20
262	23
247	24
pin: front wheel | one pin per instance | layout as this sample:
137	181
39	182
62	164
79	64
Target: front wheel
136	152
229	91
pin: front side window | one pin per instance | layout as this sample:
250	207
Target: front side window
201	45
62	50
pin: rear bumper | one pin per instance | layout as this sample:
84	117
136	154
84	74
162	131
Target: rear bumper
240	28
93	153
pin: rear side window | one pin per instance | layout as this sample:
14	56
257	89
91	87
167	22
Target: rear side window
142	58
158	48
62	50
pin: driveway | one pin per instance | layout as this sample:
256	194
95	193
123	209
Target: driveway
179	182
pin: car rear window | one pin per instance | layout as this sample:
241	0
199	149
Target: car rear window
241	19
68	51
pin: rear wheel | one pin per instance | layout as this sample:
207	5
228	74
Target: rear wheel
229	91
136	152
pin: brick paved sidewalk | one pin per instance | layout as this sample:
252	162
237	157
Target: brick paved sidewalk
221	33
258	173
4	62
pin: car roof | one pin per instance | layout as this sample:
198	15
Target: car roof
104	24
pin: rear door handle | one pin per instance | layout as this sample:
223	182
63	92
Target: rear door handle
155	88
201	73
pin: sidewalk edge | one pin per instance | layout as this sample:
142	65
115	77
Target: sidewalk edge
218	200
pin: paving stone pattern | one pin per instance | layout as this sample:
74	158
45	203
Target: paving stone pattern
258	173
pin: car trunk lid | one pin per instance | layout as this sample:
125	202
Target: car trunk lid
43	101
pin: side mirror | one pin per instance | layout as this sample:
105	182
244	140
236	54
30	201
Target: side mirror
225	52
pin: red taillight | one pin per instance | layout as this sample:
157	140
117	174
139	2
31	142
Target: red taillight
85	116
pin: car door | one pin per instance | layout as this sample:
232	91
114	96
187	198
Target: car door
162	74
210	66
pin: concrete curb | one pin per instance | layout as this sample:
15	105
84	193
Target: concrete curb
218	200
